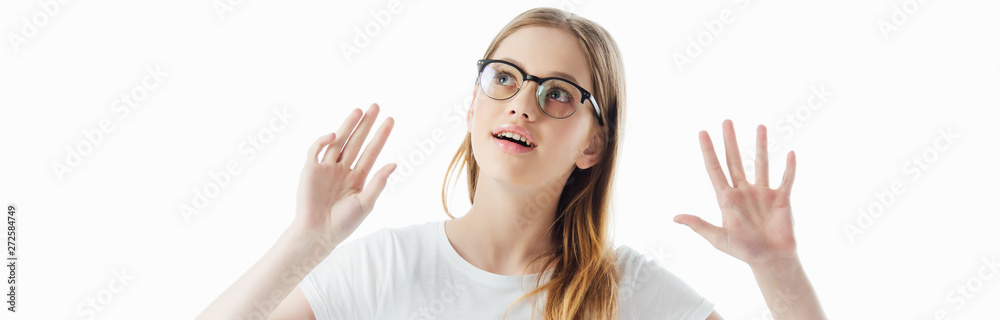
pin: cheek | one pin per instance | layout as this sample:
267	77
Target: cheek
480	116
564	143
480	128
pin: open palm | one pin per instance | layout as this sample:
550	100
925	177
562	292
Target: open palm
332	198
756	220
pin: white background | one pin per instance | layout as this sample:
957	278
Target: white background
118	209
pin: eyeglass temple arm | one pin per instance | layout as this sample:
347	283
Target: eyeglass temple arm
600	117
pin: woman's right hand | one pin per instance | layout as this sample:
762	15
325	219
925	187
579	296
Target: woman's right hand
332	197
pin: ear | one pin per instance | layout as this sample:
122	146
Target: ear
592	154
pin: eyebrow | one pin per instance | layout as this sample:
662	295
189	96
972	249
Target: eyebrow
555	73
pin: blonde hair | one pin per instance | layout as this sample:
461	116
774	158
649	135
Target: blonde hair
584	278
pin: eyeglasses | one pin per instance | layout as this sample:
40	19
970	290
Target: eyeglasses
557	97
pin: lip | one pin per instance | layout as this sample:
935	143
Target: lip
509	146
513	128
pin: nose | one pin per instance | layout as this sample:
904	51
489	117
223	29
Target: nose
525	102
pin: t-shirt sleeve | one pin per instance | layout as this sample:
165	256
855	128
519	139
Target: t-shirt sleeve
653	292
348	283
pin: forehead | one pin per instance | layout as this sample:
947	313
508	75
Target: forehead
546	52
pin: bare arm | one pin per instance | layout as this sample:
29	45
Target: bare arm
267	284
787	290
294	307
714	316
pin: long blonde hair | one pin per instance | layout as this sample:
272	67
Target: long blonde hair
584	278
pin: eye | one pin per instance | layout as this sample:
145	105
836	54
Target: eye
505	79
559	95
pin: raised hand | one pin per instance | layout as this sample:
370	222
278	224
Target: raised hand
332	197
756	220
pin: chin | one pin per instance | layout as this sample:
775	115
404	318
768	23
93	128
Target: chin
508	174
502	167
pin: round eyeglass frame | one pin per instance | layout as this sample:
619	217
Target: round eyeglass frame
586	96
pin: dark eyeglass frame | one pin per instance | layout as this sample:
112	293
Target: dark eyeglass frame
481	64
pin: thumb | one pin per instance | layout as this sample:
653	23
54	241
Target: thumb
703	228
375	187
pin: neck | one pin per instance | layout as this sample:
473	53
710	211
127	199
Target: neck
507	226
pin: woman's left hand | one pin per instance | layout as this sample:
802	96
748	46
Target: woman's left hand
756	220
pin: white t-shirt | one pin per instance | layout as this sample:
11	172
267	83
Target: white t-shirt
414	273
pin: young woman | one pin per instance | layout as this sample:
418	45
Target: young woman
543	134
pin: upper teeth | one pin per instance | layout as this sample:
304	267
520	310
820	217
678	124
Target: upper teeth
514	136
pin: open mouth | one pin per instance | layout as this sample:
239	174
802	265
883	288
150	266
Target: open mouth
515	138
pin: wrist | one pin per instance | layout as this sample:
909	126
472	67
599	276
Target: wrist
780	263
308	242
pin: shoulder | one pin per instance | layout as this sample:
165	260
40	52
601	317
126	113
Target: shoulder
649	290
376	252
387	240
637	268
627	255
631	262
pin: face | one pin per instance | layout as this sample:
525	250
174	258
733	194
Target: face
559	145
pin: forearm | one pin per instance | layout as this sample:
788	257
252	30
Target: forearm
258	291
787	290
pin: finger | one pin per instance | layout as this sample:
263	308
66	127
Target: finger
374	147
760	163
789	177
374	187
313	153
333	150
733	154
358	137
715	173
706	230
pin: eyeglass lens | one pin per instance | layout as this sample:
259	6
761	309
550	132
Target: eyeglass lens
557	98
